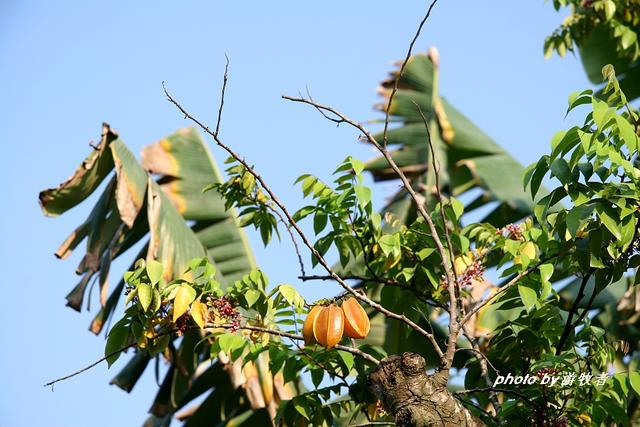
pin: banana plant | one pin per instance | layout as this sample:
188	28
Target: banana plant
159	199
467	160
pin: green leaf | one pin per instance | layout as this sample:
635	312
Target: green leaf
348	360
577	216
546	271
154	271
538	174
356	165
317	374
302	408
252	296
291	295
579	98
319	222
609	9
363	194
145	295
390	244
458	207
425	252
634	380
560	169
528	297
610	219
627	133
116	340
602	113
230	343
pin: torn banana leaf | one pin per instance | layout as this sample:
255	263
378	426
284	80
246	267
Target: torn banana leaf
160	200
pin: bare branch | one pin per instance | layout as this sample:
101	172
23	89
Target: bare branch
102	359
86	368
404	64
224	88
324	277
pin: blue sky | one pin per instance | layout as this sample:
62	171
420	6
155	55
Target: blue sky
67	66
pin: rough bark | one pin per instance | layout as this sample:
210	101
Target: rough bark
415	398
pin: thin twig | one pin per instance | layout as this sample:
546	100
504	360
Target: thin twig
404	64
324	277
587	308
224	88
295	226
484	362
503	289
102	359
569	326
86	368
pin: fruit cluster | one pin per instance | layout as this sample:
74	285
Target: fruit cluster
326	325
224	311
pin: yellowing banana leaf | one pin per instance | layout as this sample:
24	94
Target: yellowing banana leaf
160	197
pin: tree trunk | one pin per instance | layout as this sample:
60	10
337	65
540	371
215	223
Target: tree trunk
415	398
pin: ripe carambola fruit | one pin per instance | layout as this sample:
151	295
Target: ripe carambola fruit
356	321
328	326
307	328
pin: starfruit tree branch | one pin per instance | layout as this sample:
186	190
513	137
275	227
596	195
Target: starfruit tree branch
321	260
352	350
368	137
454	295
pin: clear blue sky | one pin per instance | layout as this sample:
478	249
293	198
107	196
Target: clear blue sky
66	66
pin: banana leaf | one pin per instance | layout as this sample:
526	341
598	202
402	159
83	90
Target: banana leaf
159	199
467	158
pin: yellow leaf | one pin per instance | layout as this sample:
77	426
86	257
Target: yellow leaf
198	313
461	263
181	302
529	249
